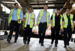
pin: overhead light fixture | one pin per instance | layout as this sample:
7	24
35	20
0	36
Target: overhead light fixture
46	1
51	5
73	6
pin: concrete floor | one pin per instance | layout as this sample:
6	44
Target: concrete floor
34	45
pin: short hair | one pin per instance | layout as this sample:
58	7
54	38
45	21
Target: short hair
15	4
58	8
46	4
30	7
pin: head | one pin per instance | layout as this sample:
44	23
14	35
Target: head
45	7
68	11
58	10
16	5
30	9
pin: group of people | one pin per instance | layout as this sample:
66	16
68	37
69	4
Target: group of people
59	22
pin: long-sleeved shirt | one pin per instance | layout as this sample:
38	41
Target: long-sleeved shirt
44	19
14	17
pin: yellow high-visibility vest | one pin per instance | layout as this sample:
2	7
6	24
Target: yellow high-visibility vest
31	20
66	20
18	15
41	14
60	20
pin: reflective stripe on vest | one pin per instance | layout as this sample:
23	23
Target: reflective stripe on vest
66	21
41	15
60	20
31	20
18	15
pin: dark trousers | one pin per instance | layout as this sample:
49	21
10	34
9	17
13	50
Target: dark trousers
28	32
67	31
42	29
55	34
14	24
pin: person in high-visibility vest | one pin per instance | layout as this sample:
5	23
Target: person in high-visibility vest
28	24
56	25
43	23
14	21
68	25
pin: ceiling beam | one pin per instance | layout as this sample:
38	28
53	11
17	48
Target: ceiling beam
5	5
66	5
48	3
48	7
27	2
46	0
9	3
72	0
23	4
8	0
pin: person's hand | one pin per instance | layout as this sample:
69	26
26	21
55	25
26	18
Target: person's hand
62	30
37	24
33	25
52	26
19	19
47	27
23	26
72	29
8	24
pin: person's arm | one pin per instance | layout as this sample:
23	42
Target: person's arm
21	15
74	21
52	21
49	19
63	22
37	18
34	20
62	26
73	24
24	20
8	19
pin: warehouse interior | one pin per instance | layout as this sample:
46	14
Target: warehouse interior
34	46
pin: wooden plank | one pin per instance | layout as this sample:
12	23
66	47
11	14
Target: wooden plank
72	0
22	2
0	8
9	0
